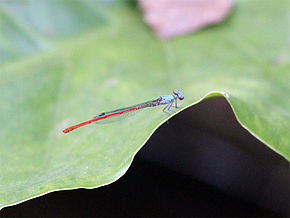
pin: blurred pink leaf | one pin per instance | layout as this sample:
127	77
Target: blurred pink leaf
175	17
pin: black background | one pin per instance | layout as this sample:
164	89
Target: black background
199	163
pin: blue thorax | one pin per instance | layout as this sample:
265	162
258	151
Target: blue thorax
166	99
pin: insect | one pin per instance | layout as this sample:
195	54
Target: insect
162	100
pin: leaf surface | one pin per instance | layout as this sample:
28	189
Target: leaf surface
76	59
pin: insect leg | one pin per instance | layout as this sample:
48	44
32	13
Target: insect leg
165	107
170	104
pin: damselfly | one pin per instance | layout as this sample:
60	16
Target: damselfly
165	99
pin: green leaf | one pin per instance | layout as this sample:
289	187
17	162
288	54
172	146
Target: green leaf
63	62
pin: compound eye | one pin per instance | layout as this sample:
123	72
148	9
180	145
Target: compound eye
178	94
